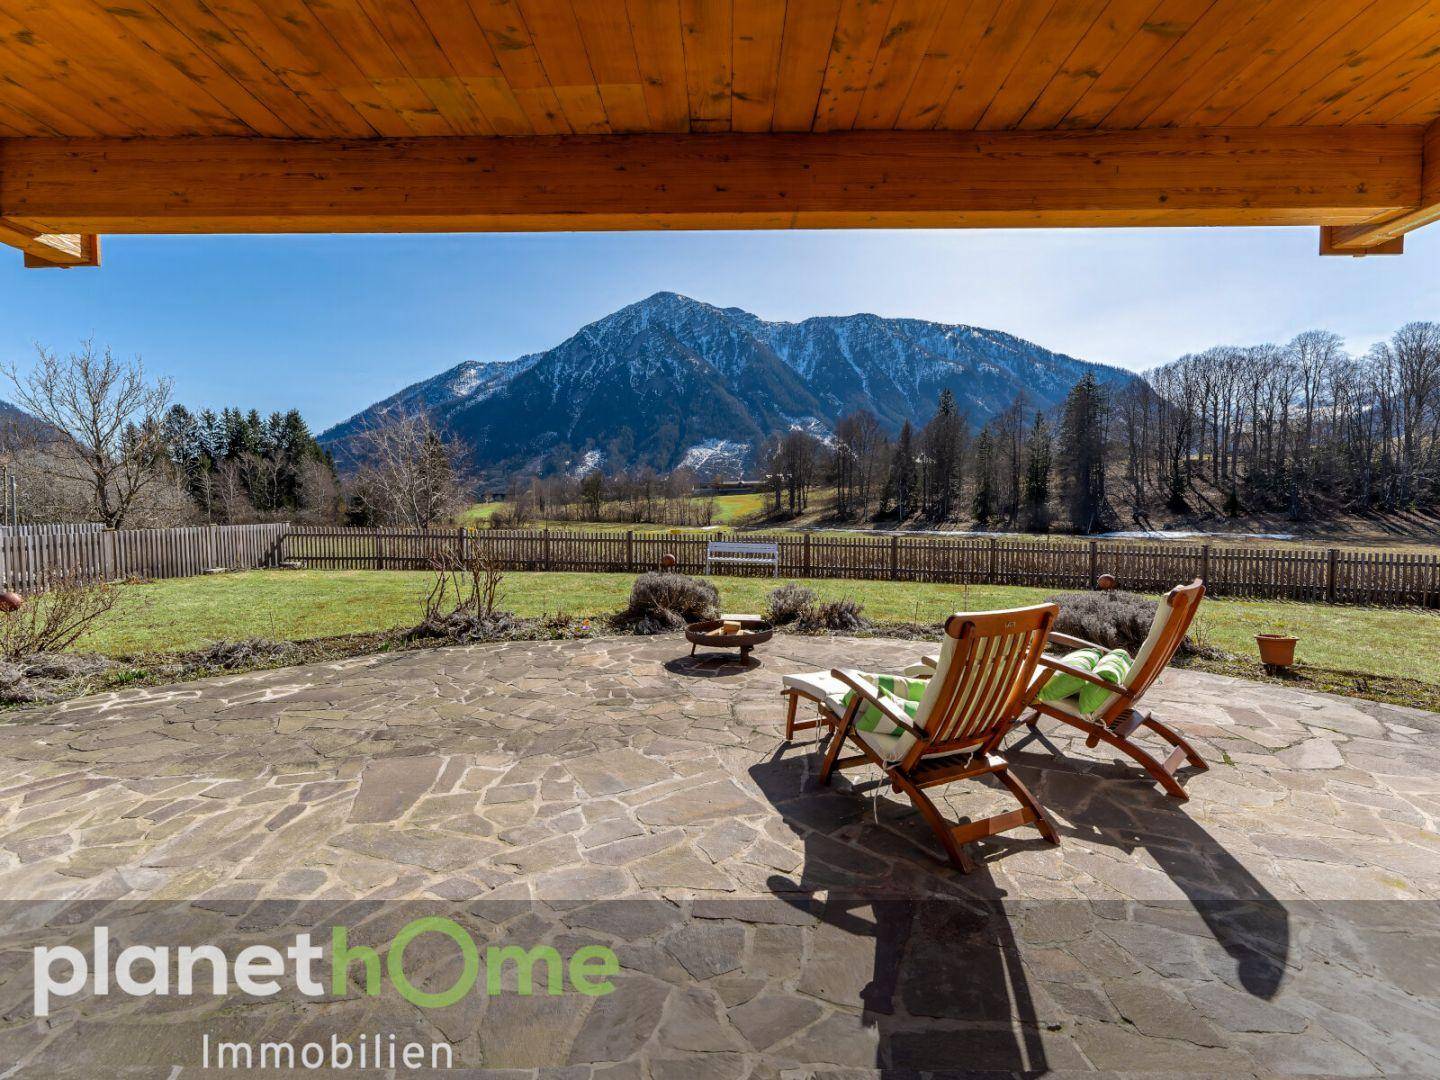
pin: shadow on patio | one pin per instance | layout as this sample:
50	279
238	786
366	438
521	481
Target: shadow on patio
937	967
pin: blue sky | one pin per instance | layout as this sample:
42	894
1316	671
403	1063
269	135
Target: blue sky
330	324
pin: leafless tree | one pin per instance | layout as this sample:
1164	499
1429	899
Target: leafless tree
105	415
410	472
1283	426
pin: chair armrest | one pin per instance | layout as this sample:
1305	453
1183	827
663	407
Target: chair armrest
1072	642
853	680
1080	673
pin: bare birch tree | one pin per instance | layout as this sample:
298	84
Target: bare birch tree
105	420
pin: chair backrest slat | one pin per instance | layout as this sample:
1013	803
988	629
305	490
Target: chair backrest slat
1177	610
984	673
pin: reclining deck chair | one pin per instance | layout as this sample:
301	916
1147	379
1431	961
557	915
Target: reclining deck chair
1121	715
981	684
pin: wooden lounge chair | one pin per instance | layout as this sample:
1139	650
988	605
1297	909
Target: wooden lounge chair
980	687
1122	715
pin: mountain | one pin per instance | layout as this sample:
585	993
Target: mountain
471	380
671	380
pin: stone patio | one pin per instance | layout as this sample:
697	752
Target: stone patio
1282	922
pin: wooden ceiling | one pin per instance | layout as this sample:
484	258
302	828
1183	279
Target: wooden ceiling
396	68
334	71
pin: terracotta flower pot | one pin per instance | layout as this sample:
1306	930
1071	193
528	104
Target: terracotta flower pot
1276	650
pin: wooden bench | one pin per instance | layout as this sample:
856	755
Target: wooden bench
742	553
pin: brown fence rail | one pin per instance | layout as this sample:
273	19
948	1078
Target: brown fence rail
28	558
1314	574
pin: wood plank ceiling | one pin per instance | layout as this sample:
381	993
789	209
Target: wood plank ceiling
400	69
395	68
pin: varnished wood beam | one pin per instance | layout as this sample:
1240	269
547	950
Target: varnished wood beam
51	250
1294	176
1386	235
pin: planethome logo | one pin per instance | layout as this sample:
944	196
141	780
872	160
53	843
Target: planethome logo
64	971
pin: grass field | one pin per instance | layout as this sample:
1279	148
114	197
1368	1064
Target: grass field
730	512
186	613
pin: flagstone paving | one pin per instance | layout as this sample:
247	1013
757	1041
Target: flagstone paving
1284	921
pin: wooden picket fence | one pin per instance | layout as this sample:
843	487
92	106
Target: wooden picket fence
32	555
1328	575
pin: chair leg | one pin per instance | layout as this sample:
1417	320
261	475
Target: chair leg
1174	738
942	829
832	753
790	716
1029	802
1156	770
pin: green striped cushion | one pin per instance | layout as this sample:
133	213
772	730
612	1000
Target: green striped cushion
898	691
1113	667
1061	685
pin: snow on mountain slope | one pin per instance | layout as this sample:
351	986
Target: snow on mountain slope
671	380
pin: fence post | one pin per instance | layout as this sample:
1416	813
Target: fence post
994	570
545	549
894	558
630	551
1205	564
210	546
107	548
1331	566
1094	563
805	556
379	551
465	546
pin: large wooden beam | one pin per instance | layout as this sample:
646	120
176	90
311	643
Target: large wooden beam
1385	235
51	250
1294	176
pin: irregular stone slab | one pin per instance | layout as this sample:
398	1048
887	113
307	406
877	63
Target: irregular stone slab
621	1022
414	847
707	949
680	868
614	771
1312	754
692	1022
1159	1012
628	918
720	798
390	786
580	885
1237	1011
767	1019
842	1038
756	909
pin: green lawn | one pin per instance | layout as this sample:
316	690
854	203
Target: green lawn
188	612
730	511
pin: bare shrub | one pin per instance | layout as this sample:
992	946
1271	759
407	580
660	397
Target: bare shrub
55	617
844	615
660	602
235	655
462	603
470	583
788	604
1114	619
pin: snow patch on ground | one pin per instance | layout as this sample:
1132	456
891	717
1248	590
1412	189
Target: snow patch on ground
716	457
812	426
590	462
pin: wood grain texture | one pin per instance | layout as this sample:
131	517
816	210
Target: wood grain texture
392	68
859	179
1385	235
925	87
